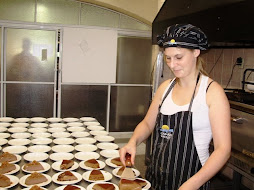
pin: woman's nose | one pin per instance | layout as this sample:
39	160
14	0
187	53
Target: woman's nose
171	63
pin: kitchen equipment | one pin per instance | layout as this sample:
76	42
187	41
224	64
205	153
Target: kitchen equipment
250	83
241	161
250	86
220	31
241	95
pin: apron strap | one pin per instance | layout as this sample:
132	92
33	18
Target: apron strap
171	87
168	91
191	102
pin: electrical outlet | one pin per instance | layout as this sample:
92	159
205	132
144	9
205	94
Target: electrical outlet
239	62
241	66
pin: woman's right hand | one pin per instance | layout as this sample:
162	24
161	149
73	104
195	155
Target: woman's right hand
129	148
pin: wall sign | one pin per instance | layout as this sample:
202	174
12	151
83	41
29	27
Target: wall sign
89	55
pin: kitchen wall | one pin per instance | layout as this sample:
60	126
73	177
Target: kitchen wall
225	60
143	10
219	62
219	65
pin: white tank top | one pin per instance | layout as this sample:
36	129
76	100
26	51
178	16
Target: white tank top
201	123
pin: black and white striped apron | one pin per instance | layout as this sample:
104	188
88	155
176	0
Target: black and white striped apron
174	156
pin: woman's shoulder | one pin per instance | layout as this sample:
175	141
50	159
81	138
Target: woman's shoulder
163	86
213	86
166	82
214	91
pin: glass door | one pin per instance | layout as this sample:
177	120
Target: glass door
29	72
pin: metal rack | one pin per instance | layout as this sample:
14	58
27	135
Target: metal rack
244	75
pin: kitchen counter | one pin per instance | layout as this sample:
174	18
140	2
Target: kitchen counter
242	154
242	127
242	107
51	172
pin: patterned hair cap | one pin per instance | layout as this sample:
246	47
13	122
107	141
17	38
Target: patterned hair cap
183	35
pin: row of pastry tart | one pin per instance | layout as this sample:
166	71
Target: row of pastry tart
49	120
94	175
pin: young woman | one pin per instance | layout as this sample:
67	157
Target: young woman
186	113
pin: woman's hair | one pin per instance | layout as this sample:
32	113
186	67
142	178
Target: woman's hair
200	68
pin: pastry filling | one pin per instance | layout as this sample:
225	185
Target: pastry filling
33	166
71	187
66	164
120	171
136	184
103	186
96	175
35	178
117	161
67	176
7	167
4	181
35	187
7	157
92	163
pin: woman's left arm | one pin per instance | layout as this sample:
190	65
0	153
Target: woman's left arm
219	114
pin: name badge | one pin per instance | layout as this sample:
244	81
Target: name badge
166	132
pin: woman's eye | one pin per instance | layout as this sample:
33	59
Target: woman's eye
178	57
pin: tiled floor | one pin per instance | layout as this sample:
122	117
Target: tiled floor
219	182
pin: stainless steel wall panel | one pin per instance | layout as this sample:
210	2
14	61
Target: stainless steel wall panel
134	60
84	100
29	100
128	107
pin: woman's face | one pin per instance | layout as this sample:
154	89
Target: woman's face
181	61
